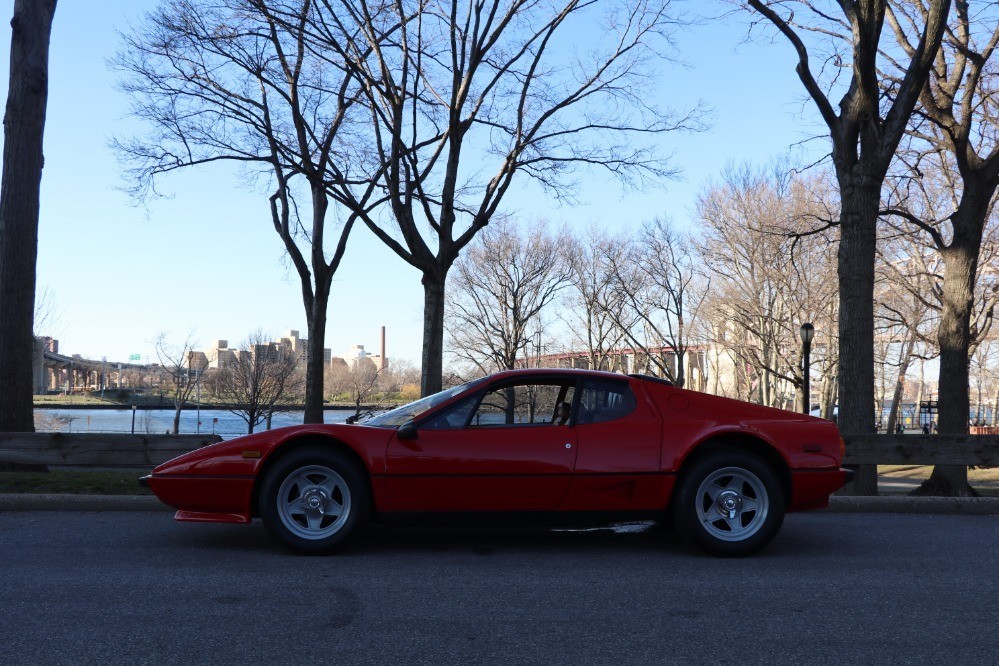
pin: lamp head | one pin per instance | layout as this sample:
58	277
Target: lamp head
807	333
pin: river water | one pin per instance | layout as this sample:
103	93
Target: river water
159	421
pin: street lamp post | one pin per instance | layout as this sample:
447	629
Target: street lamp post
807	332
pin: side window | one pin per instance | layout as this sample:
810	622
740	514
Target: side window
455	416
524	404
604	401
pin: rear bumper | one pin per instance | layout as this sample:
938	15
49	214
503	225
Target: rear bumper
811	488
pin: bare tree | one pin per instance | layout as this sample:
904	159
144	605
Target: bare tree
337	379
769	275
241	81
466	96
502	284
258	380
955	128
593	307
24	126
865	133
907	287
657	283
402	379
48	314
361	382
184	366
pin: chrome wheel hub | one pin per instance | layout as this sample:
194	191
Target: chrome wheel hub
729	503
314	499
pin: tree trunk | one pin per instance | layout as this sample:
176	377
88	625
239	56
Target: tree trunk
251	418
960	265
24	126
433	332
905	357
858	239
827	400
315	350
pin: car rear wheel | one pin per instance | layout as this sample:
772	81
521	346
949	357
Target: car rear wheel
313	500
729	503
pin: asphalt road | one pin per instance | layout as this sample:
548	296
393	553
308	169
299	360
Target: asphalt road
134	587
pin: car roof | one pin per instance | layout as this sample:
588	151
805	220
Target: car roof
569	372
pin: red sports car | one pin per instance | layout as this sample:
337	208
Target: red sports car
553	443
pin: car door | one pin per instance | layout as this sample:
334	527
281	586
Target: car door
619	437
506	448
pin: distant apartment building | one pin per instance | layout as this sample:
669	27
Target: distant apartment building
220	354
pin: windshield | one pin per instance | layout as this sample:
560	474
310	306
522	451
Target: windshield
399	415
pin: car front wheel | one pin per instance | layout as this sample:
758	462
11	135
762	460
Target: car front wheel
729	503
313	500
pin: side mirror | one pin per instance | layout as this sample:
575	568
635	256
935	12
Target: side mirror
407	430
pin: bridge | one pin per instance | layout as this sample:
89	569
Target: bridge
52	371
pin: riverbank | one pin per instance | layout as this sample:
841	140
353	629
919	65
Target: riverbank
193	420
167	405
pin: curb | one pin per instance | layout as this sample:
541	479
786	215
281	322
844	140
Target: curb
976	506
972	506
28	502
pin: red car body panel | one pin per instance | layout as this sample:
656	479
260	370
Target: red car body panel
506	468
630	463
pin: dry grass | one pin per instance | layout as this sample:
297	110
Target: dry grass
73	483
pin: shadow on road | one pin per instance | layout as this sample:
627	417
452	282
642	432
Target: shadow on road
632	538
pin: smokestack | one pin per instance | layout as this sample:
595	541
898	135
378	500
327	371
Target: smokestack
383	363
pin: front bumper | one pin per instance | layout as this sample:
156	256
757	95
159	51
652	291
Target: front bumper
219	499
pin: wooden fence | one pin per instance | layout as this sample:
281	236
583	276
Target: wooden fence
97	449
922	450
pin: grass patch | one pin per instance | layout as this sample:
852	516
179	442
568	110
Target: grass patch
74	483
975	475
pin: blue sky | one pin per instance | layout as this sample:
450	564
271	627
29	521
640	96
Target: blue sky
207	261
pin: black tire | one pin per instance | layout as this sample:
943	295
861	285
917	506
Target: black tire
314	499
729	503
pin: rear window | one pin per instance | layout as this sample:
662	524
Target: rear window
603	400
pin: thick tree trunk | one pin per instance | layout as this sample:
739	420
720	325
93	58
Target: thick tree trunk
433	332
24	125
960	266
315	352
316	297
858	238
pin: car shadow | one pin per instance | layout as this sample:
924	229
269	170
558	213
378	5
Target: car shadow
798	538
